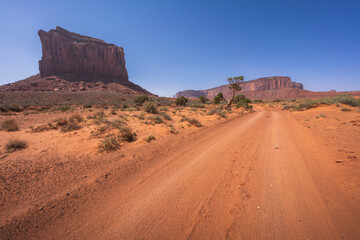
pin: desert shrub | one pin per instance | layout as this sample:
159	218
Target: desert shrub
3	108
149	138
76	118
198	105
156	119
62	108
14	108
219	111
117	123
287	107
218	98
99	115
238	98
165	116
139	100
321	116
278	100
127	134
191	121
9	125
70	126
306	105
163	109
343	98
15	144
108	144
140	117
258	101
345	109
244	104
61	121
42	128
100	130
87	106
113	112
150	107
181	101
203	99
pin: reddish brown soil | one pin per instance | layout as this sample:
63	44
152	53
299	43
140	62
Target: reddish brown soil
263	175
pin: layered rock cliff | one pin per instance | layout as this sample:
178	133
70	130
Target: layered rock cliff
77	56
74	62
260	84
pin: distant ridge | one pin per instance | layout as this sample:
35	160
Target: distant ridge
264	88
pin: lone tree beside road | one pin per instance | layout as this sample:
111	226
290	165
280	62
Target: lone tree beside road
234	85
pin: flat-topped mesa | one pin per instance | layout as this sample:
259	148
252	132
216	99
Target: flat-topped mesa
81	58
260	84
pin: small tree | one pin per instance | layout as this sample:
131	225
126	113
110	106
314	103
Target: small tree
218	98
234	85
203	99
139	100
181	101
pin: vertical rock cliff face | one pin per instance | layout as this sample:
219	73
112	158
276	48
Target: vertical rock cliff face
81	58
260	84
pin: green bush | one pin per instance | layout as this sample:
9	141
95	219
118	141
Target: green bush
345	109
198	105
16	144
218	98
140	100
9	125
156	119
238	98
150	107
203	99
166	116
244	104
163	109
181	101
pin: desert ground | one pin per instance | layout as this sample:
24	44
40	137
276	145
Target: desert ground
186	172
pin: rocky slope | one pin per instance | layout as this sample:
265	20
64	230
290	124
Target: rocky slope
71	61
260	84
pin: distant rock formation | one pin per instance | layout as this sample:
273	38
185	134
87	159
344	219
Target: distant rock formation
72	54
71	61
260	84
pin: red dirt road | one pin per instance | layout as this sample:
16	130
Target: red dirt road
261	176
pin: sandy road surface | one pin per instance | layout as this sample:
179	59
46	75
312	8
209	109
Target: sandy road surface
257	177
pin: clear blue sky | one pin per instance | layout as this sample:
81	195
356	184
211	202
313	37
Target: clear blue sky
175	45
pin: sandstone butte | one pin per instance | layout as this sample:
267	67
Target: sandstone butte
71	61
280	87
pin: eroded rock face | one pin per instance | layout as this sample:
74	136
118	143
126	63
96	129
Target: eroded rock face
81	58
260	84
